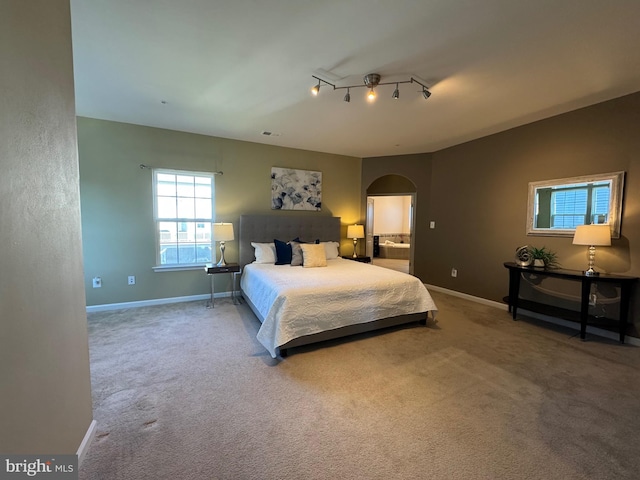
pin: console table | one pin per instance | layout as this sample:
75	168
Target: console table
516	271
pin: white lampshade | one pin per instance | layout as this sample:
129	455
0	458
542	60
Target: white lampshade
355	231
592	235
222	232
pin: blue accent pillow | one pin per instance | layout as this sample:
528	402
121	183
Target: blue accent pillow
283	252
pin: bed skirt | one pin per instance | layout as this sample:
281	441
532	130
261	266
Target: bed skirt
346	331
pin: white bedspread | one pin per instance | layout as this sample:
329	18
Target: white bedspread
297	301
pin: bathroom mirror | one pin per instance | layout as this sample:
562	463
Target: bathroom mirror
556	207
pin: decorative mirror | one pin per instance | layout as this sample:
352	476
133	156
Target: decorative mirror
556	207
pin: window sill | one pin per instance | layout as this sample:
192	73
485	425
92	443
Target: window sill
177	268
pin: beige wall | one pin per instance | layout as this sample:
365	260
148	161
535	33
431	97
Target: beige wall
117	203
391	214
45	391
478	196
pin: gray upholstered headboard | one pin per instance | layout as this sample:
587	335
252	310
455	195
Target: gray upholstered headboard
265	228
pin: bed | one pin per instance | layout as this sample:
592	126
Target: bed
298	305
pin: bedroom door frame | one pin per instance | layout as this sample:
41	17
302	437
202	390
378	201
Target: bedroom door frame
369	223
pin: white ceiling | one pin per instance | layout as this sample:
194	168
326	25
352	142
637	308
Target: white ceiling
235	68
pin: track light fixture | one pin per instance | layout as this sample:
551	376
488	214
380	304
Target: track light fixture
370	81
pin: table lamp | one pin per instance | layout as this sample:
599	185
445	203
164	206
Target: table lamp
592	235
222	232
355	232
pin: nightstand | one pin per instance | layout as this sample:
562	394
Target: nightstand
232	268
359	258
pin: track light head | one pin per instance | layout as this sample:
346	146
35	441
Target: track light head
316	89
347	97
426	93
371	96
396	93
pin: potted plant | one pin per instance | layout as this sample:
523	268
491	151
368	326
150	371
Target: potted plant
542	257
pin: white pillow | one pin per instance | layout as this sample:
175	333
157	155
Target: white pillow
331	249
313	255
264	252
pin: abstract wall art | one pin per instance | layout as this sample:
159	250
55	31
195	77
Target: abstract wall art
295	189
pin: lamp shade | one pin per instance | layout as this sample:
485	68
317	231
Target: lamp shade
222	232
596	235
355	231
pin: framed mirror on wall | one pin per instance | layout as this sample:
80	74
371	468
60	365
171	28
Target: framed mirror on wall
557	207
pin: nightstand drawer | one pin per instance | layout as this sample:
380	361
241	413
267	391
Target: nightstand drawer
212	269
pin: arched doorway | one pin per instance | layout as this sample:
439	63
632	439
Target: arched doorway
390	222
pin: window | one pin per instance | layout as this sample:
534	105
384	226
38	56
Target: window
183	213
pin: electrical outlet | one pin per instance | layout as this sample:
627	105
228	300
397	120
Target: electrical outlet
131	280
432	224
454	272
97	282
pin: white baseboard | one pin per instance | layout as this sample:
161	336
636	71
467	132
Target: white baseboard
86	441
155	301
538	316
484	301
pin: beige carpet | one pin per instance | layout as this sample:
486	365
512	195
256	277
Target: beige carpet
182	392
392	263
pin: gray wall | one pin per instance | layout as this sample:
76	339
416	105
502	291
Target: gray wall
477	194
117	203
45	401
